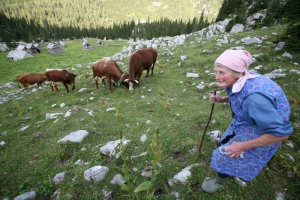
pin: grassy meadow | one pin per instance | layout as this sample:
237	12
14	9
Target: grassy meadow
167	103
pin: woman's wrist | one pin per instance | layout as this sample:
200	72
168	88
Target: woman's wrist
222	99
225	99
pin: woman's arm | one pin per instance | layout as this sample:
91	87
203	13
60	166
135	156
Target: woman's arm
266	139
259	110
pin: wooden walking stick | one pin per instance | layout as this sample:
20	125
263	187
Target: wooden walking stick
212	108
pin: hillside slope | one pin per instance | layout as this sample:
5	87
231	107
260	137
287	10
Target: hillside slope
164	119
92	14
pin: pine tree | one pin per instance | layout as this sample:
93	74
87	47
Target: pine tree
273	14
291	11
201	21
228	8
241	14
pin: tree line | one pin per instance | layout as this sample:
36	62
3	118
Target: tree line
74	19
61	19
13	30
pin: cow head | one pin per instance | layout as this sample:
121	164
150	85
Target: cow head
123	80
43	77
70	79
131	83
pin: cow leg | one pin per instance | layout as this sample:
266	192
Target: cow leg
51	84
56	87
96	81
25	85
138	78
66	87
146	73
139	74
109	84
19	84
40	84
152	68
103	81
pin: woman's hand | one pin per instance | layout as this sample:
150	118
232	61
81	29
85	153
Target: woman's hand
217	99
237	148
234	150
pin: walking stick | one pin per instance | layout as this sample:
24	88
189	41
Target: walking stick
212	108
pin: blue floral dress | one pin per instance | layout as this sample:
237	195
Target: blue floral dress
246	128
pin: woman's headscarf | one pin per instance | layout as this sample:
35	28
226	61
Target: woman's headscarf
239	61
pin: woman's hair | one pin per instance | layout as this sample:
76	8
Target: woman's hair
235	73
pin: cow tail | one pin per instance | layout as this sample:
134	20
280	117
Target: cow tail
158	65
88	75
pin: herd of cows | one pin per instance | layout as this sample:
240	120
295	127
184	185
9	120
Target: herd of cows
106	68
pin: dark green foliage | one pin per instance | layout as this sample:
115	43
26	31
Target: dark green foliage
76	19
292	36
228	8
241	14
274	14
293	44
278	12
163	27
230	24
166	27
65	151
291	11
258	6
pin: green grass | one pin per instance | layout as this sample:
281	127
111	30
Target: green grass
30	159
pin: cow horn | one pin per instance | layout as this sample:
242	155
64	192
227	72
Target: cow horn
136	81
121	77
126	80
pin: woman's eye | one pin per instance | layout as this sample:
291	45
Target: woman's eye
221	73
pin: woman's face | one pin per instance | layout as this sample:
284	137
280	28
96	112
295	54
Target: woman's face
224	76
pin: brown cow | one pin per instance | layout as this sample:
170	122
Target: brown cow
60	75
143	59
30	79
107	68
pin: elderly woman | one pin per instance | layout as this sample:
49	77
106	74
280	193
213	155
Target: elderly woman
260	112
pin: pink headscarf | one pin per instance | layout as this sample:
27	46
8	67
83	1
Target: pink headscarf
239	61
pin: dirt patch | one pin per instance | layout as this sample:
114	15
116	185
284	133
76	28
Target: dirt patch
178	157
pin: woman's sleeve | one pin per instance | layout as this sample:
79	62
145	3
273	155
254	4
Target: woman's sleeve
259	110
